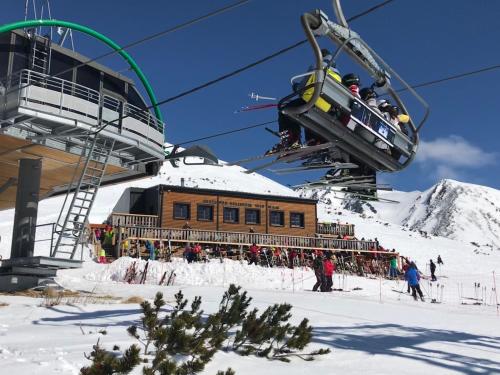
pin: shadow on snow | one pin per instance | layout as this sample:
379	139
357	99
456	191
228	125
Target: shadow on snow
435	347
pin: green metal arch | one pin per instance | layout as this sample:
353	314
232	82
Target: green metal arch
86	30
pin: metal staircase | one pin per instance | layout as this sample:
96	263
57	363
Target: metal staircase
70	226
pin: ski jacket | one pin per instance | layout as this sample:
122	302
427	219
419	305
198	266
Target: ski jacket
254	250
394	263
328	267
412	276
433	267
318	265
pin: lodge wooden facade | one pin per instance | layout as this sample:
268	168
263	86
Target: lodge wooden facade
236	212
219	210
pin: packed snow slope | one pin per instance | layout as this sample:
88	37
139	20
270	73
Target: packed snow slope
370	327
457	210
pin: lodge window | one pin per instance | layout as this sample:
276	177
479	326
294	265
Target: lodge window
296	220
205	213
231	215
252	216
182	211
277	218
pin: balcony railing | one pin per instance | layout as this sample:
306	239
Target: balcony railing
335	229
245	239
23	80
132	220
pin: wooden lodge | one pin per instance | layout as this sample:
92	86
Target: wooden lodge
226	223
218	210
179	215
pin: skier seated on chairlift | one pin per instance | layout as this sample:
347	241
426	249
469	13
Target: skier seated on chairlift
290	130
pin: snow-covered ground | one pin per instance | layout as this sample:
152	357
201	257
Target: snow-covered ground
372	330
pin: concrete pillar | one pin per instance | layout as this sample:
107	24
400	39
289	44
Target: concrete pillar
28	189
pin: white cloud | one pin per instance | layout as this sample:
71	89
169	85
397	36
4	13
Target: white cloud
452	152
452	157
443	171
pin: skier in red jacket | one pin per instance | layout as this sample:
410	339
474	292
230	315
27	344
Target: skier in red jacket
254	254
328	268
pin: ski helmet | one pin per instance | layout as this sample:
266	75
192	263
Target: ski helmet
350	79
367	93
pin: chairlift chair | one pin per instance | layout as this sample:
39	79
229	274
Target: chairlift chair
366	126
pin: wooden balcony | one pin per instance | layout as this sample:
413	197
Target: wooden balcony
133	220
243	239
335	229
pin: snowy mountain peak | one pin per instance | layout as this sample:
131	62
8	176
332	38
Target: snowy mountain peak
458	210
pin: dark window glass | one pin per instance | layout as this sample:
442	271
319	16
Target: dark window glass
61	63
181	211
205	213
114	85
134	98
277	218
231	215
252	216
88	77
296	220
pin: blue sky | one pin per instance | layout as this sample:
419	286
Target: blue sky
422	40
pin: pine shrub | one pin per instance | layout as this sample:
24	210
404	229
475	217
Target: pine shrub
183	340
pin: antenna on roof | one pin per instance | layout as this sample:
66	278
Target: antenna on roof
39	10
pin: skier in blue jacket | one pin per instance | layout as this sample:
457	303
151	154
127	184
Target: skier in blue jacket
413	278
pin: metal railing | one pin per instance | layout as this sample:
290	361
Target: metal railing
245	239
335	229
132	220
26	78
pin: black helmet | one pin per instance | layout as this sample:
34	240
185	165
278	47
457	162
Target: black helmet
350	79
325	52
393	110
367	93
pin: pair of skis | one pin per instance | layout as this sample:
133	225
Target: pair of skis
286	156
170	279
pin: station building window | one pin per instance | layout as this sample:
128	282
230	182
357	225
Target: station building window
231	215
205	213
296	220
277	218
182	211
252	216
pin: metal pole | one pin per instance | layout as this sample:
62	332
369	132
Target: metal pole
496	293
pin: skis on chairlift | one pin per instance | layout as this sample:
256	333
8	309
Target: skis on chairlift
315	166
291	155
280	154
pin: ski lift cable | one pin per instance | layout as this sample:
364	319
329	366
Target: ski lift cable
225	76
227	132
159	34
423	84
452	77
260	61
242	69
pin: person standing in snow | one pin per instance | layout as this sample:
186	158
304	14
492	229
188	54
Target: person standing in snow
151	250
413	278
102	256
328	268
433	270
439	260
393	268
254	254
318	272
